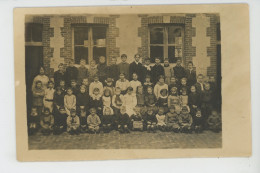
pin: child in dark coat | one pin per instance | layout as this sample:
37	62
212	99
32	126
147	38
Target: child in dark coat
185	120
137	120
198	121
150	99
83	119
147	83
33	121
96	101
59	75
82	99
71	73
172	120
163	99
179	71
193	101
123	121
150	120
73	123
60	118
82	71
214	122
191	75
102	69
157	70
113	69
108	119
206	101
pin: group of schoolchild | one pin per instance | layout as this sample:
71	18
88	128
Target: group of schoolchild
123	97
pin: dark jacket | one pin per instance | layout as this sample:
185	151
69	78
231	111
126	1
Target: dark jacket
157	70
71	73
58	76
179	72
113	72
191	77
136	68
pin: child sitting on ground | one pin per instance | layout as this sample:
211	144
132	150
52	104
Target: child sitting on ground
93	121
33	121
47	122
137	120
123	121
160	116
83	119
198	121
69	101
108	119
73	123
185	121
150	120
172	120
214	122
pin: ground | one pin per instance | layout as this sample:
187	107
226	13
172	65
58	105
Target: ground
134	140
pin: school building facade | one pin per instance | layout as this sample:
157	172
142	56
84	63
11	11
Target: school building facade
54	39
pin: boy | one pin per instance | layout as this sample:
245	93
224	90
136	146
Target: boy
63	87
83	119
122	83
185	121
109	85
198	121
117	101
38	94
102	69
113	69
48	96
183	86
174	99
82	99
60	121
93	121
163	99
71	73
59	75
135	83
150	120
95	84
157	70
150	98
160	116
136	67
191	74
85	83
33	121
199	85
168	71
69	101
124	66
214	122
46	122
172	120
147	83
193	100
82	71
173	83
123	121
179	71
73	123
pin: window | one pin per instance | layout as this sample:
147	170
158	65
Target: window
166	41
89	42
33	33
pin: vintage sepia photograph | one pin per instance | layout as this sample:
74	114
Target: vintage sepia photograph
139	81
132	82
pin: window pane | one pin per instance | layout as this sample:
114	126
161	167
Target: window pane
173	32
80	35
97	52
156	51
171	54
28	32
81	52
37	32
156	35
99	36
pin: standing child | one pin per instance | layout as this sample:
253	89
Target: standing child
135	82
200	85
150	120
147	83
38	94
96	101
168	71
123	121
172	120
117	101
124	66
82	71
95	84
161	121
83	119
193	100
130	101
147	67
102	69
48	96
122	83
174	99
206	101
113	69
60	118
82	99
108	119
93	121
86	84
185	121
179	71
198	121
59	75
214	122
93	71
33	121
47	122
150	99
157	70
58	101
71	73
73	123
137	120
159	86
69	101
136	67
109	84
191	75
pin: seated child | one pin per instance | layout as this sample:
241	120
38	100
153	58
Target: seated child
193	100
214	122
60	123
82	99
163	99
140	99
159	86
198	121
96	101
147	83
174	99
47	122
160	116
137	120
63	87
93	121
172	120
135	83
150	120
92	71
83	119
150	99
33	121
108	119
38	94
86	84
74	87
173	83
69	101
185	120
129	101
95	84
117	101
107	98
73	123
123	121
109	85
122	83
48	96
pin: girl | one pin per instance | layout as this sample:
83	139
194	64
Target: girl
185	120
117	101
60	118
163	99
160	116
137	120
33	121
58	101
109	85
168	71
122	83
193	100
198	121
135	83
174	99
150	99
147	83
183	85
159	86
82	99
83	119
41	77
95	84
106	98
63	87
129	101
96	101
69	101
173	83
38	94
48	96
184	99
123	121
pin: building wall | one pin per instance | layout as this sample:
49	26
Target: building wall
129	34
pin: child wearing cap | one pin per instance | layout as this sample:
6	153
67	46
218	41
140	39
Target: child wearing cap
172	120
123	121
108	119
150	120
185	120
214	122
168	71
92	71
48	96
109	84
95	84
157	70
69	101
60	118
159	86
47	122
73	123
124	66
93	121
102	69
82	71
96	101
135	82
161	121
129	101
